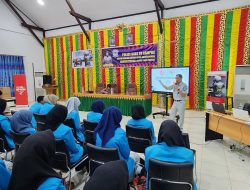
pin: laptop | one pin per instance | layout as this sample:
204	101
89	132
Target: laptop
218	107
241	114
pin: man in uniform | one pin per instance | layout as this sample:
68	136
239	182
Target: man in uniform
180	91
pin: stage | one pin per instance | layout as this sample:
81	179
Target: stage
122	101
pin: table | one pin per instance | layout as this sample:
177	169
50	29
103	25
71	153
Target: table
122	101
218	124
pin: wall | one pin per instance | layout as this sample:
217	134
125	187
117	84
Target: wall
184	11
215	41
16	40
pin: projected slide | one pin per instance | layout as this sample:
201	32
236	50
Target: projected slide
167	76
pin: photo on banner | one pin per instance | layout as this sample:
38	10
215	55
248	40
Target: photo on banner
130	56
217	87
82	58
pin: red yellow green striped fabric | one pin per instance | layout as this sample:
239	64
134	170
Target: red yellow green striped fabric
215	41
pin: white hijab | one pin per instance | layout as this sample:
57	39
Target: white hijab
51	98
73	104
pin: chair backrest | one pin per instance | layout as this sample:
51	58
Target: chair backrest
186	140
100	87
178	174
18	138
98	156
246	107
40	117
5	143
89	128
41	126
2	148
138	138
70	123
131	89
61	159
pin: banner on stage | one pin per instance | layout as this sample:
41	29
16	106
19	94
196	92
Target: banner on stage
20	90
130	56
217	87
82	58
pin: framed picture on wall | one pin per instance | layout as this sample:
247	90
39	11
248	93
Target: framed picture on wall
112	41
129	39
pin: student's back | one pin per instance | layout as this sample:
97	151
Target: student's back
49	102
35	108
97	108
52	183
5	175
45	108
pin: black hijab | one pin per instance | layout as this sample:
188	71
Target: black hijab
31	164
110	176
56	116
3	105
170	133
138	112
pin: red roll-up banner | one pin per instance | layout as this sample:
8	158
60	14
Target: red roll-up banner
20	90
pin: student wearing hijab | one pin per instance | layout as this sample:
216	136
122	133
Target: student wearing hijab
97	108
54	121
49	102
109	134
110	176
139	120
21	122
31	167
5	124
72	106
170	147
5	175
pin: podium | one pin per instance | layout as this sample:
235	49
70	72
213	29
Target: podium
50	89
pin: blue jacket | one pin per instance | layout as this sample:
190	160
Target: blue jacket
144	123
75	150
45	108
52	183
166	153
79	130
119	141
6	127
35	108
5	176
94	116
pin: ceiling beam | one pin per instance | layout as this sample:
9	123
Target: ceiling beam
158	15
23	21
32	27
78	20
80	16
190	4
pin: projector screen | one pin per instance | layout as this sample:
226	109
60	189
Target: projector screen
167	76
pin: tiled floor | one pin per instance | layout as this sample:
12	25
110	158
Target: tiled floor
218	168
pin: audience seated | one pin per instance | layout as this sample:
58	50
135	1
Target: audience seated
72	106
21	122
5	175
54	121
5	124
49	102
110	176
109	134
35	108
139	120
100	87
97	108
31	168
170	147
131	89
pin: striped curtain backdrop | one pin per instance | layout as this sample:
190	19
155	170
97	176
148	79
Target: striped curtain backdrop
210	42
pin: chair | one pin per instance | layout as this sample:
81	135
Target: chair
4	148
246	107
131	89
98	156
138	138
100	87
70	123
18	138
114	86
61	159
41	126
89	128
171	176
40	117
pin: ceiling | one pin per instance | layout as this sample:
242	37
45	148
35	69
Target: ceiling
55	13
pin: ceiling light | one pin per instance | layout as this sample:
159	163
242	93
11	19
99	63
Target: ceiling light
40	2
